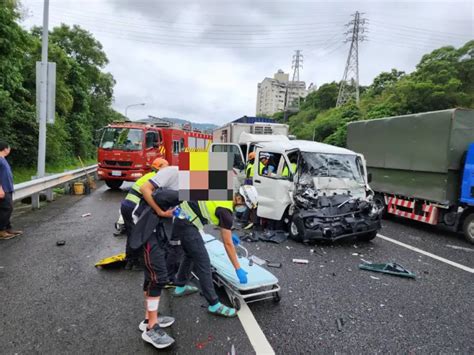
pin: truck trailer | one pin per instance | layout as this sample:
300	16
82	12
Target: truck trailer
421	166
247	131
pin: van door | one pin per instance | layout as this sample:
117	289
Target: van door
238	161
274	189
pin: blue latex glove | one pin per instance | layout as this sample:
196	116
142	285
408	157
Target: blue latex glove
235	239
242	275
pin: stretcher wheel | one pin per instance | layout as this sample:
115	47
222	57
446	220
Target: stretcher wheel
236	303
276	297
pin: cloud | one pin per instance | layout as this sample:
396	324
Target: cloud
202	60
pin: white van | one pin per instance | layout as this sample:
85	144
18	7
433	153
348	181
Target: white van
326	197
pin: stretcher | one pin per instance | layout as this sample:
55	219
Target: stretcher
261	285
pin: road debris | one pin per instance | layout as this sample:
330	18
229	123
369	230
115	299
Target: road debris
86	215
274	236
60	243
388	268
339	323
232	350
276	265
300	261
257	260
373	277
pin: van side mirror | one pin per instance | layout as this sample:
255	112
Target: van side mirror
369	178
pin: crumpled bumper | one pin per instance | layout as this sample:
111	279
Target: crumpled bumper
318	228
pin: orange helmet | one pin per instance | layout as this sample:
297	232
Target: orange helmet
251	155
159	163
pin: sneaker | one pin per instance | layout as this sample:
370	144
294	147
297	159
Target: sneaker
248	226
4	235
169	285
157	337
163	322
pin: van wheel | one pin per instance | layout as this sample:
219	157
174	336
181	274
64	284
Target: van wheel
297	229
468	228
114	184
367	237
379	201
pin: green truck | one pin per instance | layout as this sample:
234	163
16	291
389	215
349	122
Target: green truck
421	165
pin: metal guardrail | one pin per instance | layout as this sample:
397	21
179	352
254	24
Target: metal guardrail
34	187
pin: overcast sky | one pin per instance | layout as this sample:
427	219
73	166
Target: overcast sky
201	60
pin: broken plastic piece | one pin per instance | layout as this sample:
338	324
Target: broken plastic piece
300	261
256	260
277	265
86	215
60	243
388	268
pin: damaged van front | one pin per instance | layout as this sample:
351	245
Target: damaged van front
316	191
332	199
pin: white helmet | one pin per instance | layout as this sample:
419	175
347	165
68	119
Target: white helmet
250	195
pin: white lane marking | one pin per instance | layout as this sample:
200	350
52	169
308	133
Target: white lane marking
446	261
459	248
254	332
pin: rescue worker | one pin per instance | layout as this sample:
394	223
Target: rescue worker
134	257
286	172
249	170
189	225
156	272
263	165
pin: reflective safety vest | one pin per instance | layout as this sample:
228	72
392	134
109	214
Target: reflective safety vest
207	210
285	170
250	170
135	194
261	166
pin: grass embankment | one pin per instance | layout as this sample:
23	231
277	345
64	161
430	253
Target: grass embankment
22	174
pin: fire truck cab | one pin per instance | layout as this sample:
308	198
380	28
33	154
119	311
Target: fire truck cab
127	149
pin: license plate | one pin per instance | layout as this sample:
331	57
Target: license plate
116	173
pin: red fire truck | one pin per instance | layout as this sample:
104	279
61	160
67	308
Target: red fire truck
127	149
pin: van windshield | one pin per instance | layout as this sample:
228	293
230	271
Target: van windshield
122	139
332	165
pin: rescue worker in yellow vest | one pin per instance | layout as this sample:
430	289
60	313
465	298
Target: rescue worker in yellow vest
249	170
134	257
286	171
263	164
191	216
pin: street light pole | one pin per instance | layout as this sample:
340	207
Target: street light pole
126	108
314	133
43	94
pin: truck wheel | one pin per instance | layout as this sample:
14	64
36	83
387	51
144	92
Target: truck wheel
296	230
114	184
367	237
468	228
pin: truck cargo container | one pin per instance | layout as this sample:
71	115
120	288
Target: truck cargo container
421	165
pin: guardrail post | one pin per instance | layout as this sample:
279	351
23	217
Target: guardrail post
35	201
49	195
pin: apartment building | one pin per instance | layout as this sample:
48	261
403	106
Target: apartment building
271	93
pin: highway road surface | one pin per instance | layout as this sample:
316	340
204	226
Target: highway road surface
53	299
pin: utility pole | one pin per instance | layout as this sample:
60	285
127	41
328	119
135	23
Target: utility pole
349	87
292	86
43	108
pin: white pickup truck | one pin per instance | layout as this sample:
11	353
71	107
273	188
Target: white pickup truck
326	197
